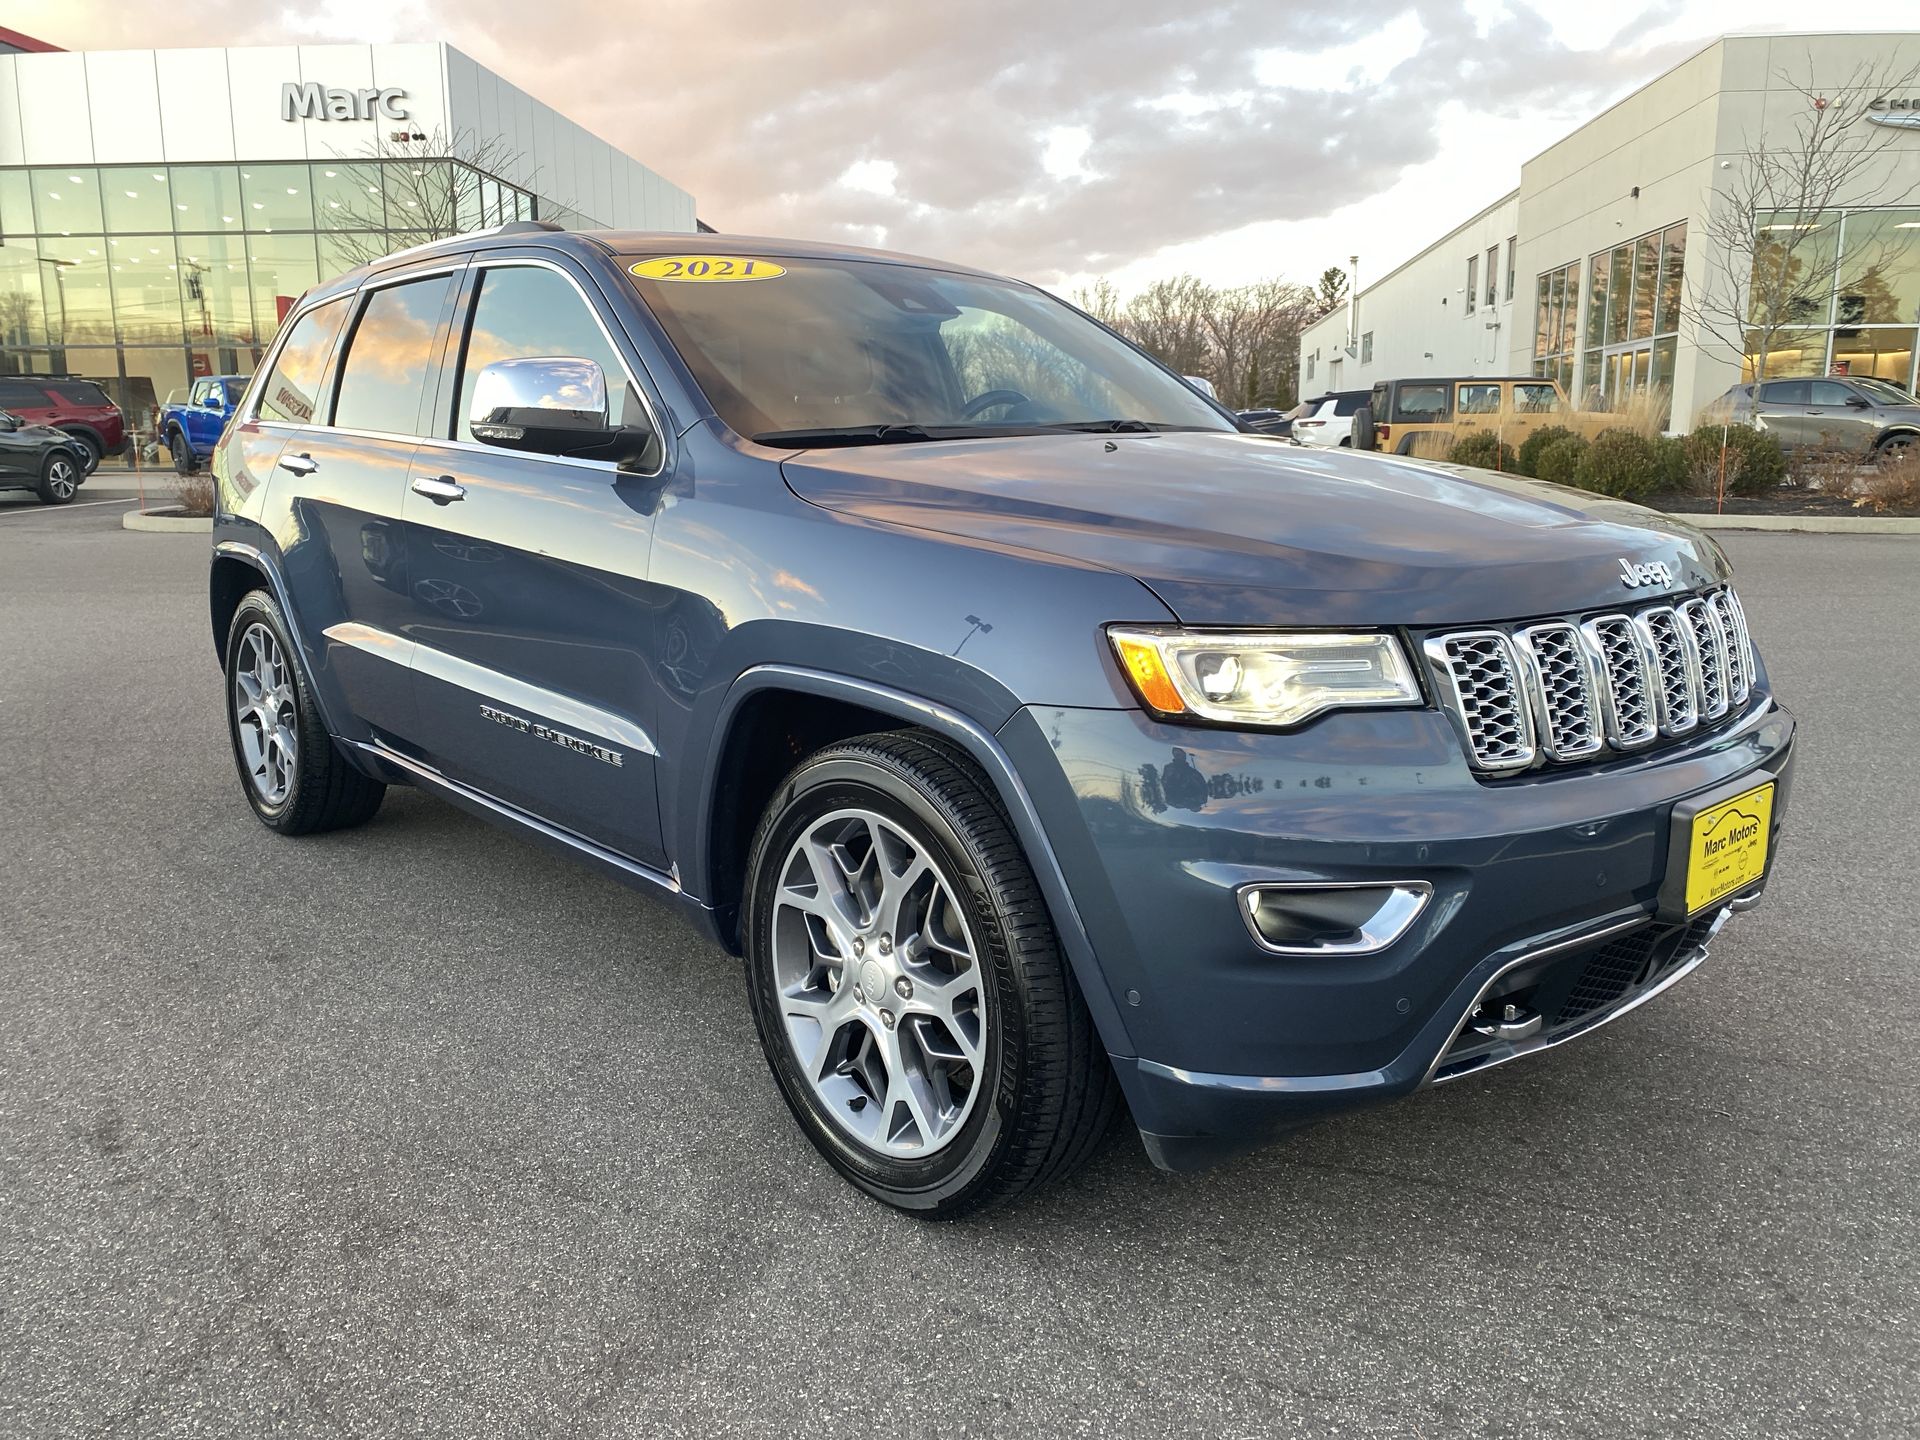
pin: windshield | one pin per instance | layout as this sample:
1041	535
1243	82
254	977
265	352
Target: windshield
861	351
1881	391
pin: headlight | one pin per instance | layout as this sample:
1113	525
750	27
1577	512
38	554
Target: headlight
1262	679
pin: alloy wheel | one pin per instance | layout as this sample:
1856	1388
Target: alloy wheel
263	707
879	984
62	478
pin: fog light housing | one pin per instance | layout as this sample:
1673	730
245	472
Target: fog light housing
1332	918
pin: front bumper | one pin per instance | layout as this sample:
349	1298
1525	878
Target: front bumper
1223	1044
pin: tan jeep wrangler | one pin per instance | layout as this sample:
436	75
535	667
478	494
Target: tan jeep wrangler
1424	417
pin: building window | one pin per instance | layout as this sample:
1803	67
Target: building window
1513	244
1860	321
1555	323
1310	359
1473	281
1633	317
1366	348
1493	276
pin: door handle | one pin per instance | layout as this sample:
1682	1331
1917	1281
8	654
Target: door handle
441	489
299	464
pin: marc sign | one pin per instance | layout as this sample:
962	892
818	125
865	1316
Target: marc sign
314	101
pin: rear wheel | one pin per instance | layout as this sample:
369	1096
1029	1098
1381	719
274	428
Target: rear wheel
182	452
908	987
59	478
89	449
296	781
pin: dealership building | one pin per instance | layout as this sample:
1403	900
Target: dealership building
160	210
1587	269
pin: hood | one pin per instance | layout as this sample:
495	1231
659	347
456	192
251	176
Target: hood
1232	529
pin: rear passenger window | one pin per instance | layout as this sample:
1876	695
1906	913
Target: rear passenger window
1479	399
1535	399
527	311
391	357
294	383
15	396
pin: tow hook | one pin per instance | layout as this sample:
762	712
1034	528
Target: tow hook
1513	1022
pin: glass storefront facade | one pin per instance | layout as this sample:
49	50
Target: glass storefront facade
1628	327
1865	323
144	276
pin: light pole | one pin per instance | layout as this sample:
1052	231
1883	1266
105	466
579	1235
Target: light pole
60	268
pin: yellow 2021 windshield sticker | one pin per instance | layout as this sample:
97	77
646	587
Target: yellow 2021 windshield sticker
707	269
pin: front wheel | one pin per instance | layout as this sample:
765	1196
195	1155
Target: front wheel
296	781
908	986
59	478
89	449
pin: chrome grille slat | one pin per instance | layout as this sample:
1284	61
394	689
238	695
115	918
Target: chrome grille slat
1733	626
1676	675
1709	654
1484	678
1562	690
1571	689
1632	714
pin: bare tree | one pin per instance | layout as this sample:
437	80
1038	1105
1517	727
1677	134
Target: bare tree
1168	318
1772	253
429	188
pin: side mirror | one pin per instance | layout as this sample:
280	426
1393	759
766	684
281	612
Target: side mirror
1859	402
552	405
1202	384
8	420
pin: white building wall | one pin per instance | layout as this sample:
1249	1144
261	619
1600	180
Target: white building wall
1677	140
1418	317
197	106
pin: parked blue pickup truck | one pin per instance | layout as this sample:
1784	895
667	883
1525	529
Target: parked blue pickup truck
190	425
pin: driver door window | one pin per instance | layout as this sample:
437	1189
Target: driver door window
526	311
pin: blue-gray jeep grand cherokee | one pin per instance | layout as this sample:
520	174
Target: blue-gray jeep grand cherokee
1044	743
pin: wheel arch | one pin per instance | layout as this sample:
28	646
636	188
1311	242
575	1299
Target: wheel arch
771	711
238	568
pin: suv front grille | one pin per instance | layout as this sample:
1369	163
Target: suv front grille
1564	690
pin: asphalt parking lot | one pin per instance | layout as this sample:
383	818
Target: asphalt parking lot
418	1130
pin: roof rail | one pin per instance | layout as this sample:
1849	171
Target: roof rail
524	227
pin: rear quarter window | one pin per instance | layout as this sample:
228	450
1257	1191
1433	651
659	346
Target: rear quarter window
293	386
78	392
1423	402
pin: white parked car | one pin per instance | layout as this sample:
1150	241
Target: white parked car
1330	421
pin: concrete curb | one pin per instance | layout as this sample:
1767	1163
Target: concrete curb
1816	524
162	521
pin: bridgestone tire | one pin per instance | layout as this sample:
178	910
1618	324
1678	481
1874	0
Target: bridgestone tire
327	792
1045	1090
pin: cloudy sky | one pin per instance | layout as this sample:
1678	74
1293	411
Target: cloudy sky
1054	139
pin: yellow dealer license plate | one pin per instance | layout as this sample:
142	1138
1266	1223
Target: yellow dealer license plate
1727	849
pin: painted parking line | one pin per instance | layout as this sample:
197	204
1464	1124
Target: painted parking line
70	505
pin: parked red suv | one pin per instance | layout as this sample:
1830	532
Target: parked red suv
67	402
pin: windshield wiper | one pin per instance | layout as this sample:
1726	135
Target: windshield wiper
857	435
1111	427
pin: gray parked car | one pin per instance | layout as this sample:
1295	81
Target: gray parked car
1860	414
1048	747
